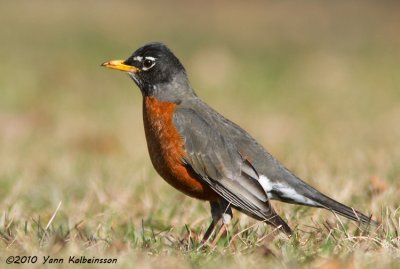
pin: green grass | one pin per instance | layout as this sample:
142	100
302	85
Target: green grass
316	83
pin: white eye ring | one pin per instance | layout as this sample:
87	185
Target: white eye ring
148	63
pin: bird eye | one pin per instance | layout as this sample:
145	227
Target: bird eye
147	64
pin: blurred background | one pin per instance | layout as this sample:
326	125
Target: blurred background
316	82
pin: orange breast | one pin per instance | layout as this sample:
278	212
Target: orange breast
166	149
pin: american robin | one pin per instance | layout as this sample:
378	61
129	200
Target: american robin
205	155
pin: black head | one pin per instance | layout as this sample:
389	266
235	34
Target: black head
156	71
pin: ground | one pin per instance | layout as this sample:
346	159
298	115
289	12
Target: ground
316	83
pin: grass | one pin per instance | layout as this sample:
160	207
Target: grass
316	83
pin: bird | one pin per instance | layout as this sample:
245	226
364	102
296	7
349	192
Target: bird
205	155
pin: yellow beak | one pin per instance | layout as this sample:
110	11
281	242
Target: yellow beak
119	65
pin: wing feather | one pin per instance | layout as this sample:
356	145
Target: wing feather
214	156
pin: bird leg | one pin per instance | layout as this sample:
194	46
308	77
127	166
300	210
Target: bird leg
223	229
220	209
208	233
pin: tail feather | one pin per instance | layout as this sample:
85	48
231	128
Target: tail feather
301	193
328	203
339	208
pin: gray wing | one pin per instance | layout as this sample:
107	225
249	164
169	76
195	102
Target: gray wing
213	155
244	169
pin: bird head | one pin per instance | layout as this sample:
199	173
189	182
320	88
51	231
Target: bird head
156	71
